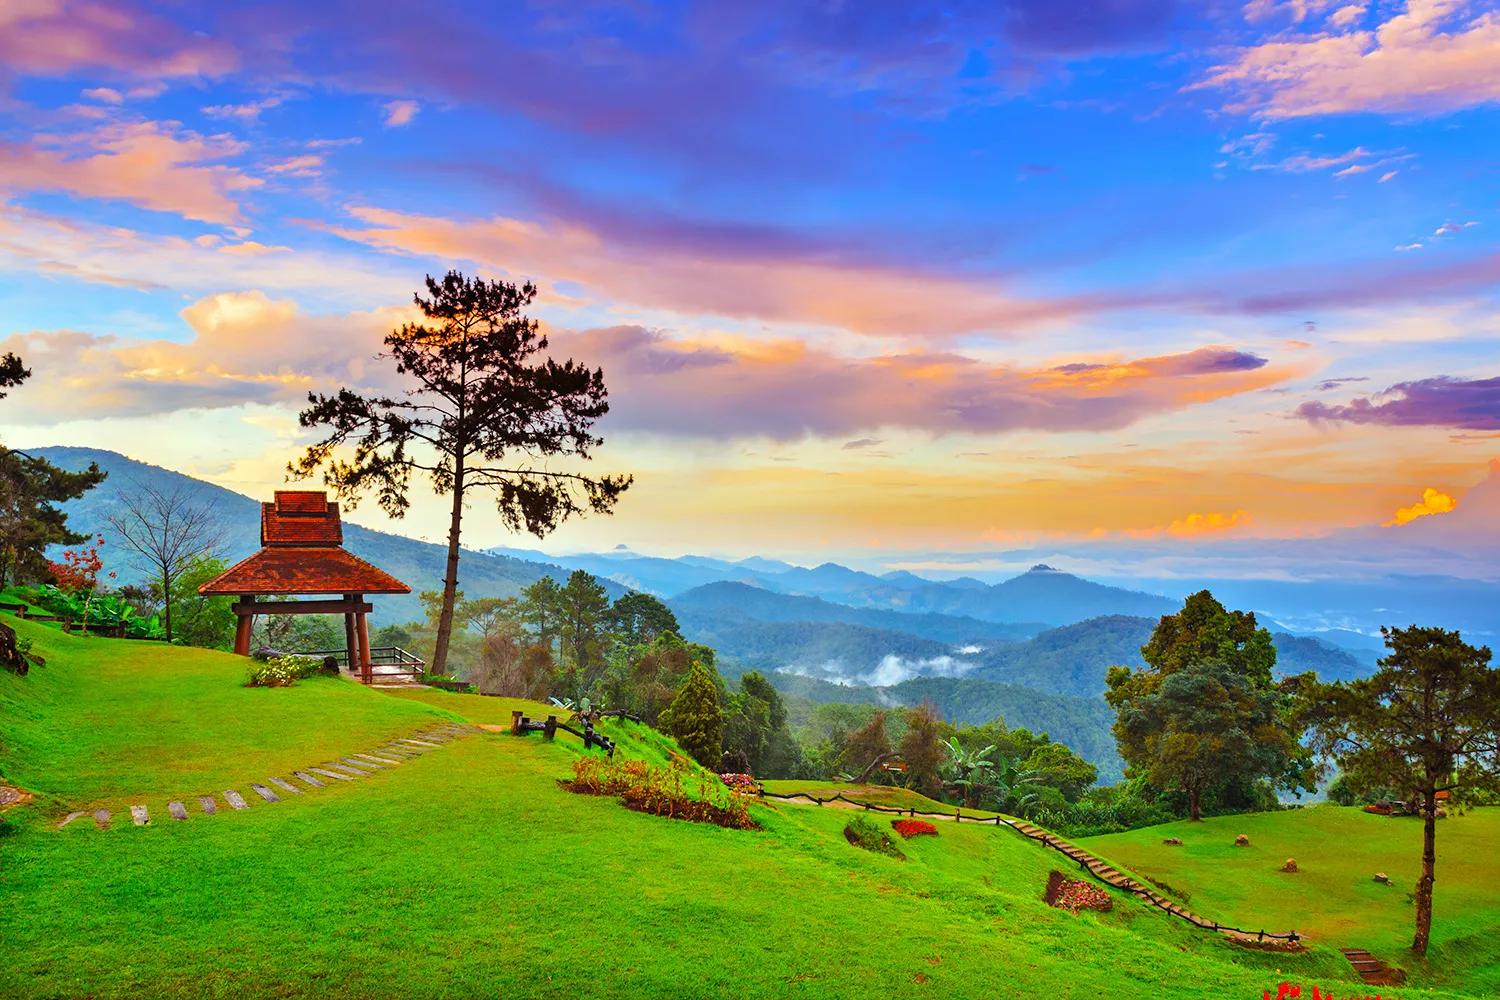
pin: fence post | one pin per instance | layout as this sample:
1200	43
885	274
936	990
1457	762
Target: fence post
551	729
515	723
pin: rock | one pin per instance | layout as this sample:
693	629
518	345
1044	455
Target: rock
12	656
1441	813
1173	842
1382	878
1290	866
1242	841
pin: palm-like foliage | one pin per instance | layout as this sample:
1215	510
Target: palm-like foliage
969	771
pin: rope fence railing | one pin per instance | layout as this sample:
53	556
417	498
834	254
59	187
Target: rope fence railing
1062	847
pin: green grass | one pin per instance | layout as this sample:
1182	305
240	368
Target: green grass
1334	897
468	872
105	720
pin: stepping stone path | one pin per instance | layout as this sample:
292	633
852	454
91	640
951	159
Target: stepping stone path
1371	969
357	765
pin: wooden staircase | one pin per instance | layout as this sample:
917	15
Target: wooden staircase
1372	970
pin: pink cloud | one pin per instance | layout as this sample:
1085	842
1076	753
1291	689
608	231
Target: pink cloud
151	164
862	297
57	37
1435	56
785	389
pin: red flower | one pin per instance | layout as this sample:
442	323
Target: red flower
909	828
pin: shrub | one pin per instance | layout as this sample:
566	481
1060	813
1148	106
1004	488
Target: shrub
659	791
1075	894
862	833
694	717
909	828
283	671
740	784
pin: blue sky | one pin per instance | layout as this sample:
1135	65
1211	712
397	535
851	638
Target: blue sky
864	278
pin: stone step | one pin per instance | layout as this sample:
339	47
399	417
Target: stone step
363	765
309	779
235	801
345	769
101	818
391	760
286	786
208	804
139	815
327	774
177	810
70	817
265	793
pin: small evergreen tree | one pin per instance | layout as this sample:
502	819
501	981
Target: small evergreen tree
695	718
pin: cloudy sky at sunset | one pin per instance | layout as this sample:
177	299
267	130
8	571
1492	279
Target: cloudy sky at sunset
863	277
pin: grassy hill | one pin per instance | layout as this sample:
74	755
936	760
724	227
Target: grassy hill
469	872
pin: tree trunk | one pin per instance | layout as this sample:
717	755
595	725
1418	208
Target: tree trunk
450	578
1195	805
1424	884
166	604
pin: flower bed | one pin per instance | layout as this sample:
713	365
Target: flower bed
740	784
909	828
659	791
1075	894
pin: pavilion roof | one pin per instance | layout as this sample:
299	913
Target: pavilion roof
302	553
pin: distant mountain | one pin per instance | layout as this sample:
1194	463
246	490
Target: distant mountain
760	604
1041	594
419	564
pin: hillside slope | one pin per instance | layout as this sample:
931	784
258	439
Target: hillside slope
468	871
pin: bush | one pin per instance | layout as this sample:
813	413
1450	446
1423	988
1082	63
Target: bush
694	717
862	833
283	671
659	791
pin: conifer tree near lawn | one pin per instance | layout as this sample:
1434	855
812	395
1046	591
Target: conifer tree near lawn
1427	722
695	718
479	414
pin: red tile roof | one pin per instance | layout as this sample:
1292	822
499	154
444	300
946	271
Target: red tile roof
300	517
302	553
304	570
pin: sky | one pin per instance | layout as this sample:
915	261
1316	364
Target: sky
865	279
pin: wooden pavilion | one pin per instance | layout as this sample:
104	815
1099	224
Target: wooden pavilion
302	552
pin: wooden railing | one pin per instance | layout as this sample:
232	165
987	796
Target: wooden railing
385	661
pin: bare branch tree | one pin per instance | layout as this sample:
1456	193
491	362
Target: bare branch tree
165	528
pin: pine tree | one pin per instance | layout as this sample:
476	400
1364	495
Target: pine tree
695	718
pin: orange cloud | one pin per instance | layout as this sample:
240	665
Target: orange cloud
1432	502
1209	524
151	164
1428	58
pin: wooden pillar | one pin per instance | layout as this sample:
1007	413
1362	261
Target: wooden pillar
242	632
362	627
351	651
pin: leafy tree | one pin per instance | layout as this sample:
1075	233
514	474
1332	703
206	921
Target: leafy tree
695	719
922	748
639	618
644	680
78	575
972	772
30	521
1059	767
1202	726
1427	721
865	745
392	635
165	528
746	728
1224	660
481	414
512	670
202	621
583	625
1205	632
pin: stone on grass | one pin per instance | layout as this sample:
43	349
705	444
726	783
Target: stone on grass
1242	841
1382	878
1173	842
1290	866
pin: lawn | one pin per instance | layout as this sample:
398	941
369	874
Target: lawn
468	872
110	720
1333	896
